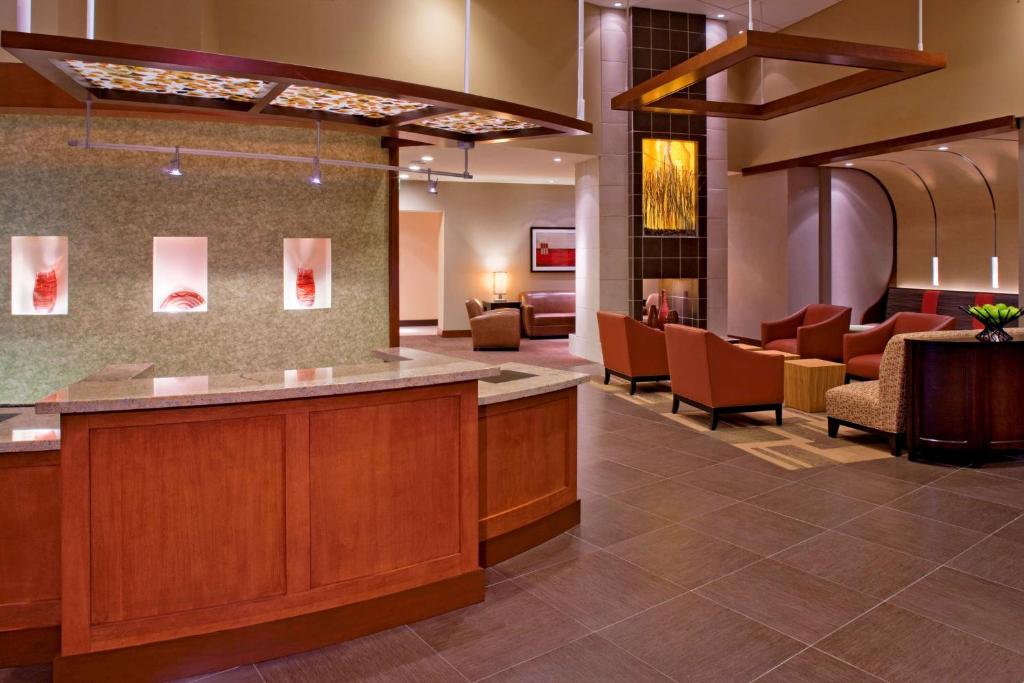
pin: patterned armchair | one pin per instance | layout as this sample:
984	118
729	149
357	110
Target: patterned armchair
879	406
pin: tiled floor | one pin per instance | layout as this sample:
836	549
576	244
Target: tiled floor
697	562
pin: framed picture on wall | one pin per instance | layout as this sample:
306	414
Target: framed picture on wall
552	250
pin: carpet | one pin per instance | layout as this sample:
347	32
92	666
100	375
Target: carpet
801	441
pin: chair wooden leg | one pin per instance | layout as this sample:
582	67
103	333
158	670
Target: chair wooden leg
778	415
714	419
632	387
607	376
675	404
833	427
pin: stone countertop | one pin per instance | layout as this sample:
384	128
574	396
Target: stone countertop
21	430
517	380
395	368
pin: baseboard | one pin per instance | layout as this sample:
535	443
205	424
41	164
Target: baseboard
417	323
448	334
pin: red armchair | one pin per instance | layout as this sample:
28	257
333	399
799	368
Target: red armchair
815	331
631	350
709	373
862	351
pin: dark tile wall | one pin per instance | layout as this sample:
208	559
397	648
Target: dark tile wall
662	39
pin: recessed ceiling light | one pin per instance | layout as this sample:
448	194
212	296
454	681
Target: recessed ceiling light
741	31
426	158
552	182
943	149
719	16
557	160
616	4
414	167
403	176
848	163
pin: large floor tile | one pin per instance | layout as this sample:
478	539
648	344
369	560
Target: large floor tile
395	655
665	434
1010	468
812	505
995	559
814	666
606	476
664	462
734	482
871	488
753	528
985	609
597	446
1014	531
933	541
583	661
605	521
897	645
674	500
693	639
943	506
762	466
684	556
561	548
509	627
901	468
800	605
992	488
710	448
598	589
855	563
605	421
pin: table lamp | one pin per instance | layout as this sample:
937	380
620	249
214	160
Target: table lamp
500	285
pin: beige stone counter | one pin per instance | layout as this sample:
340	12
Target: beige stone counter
517	380
25	431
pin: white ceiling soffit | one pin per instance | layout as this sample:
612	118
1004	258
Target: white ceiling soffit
497	163
769	15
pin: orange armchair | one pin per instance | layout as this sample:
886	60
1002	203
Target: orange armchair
631	350
815	331
862	351
709	373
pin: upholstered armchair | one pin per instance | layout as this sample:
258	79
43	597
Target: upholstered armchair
631	350
709	373
862	351
496	330
815	331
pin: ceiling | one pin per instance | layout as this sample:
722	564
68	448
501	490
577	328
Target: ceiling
769	15
497	163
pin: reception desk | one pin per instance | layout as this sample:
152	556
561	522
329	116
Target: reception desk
205	522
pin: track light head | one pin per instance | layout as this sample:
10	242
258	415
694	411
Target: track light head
173	169
431	184
315	178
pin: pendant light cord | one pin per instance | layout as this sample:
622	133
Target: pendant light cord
465	65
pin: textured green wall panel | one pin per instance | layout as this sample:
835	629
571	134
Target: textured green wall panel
111	205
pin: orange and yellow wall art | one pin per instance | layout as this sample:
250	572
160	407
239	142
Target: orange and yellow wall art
669	186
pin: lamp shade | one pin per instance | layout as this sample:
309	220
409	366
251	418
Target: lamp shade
500	283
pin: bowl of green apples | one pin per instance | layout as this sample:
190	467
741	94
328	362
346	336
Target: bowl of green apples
994	317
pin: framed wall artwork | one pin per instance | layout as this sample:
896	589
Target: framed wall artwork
307	273
39	275
669	190
552	250
179	275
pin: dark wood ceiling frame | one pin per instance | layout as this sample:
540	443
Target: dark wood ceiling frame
939	136
43	53
882	66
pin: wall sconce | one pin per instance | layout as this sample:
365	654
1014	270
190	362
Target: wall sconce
500	285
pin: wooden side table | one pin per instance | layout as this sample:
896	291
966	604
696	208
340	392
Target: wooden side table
508	303
786	355
807	380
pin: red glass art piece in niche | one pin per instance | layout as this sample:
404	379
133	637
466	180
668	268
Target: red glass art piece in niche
44	294
305	288
182	300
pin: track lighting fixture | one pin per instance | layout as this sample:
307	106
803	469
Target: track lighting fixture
316	177
431	183
173	169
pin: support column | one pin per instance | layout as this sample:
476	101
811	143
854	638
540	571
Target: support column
718	201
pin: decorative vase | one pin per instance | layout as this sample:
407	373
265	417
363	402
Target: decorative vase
994	319
663	308
305	288
44	294
652	316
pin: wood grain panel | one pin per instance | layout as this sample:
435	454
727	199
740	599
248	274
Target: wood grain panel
385	487
29	535
185	516
527	460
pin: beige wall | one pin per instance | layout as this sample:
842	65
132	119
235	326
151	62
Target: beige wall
110	205
981	40
419	236
486	227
